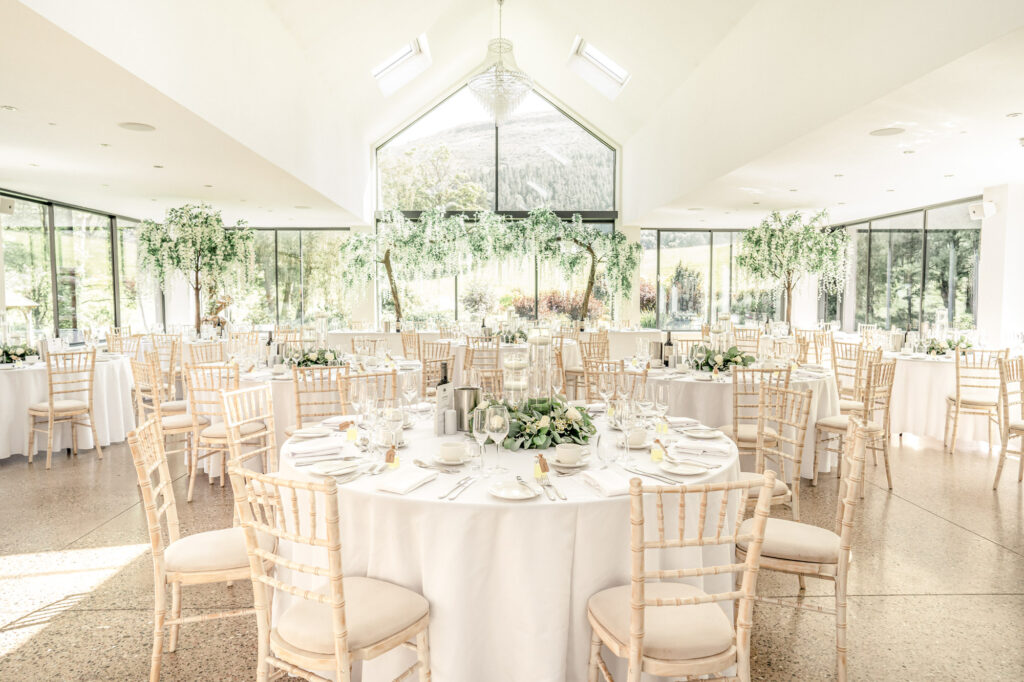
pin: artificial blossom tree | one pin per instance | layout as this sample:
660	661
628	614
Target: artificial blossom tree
193	241
782	249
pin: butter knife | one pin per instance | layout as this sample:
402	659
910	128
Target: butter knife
462	482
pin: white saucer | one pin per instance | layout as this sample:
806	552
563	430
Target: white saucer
702	433
512	490
311	432
648	442
334	468
583	461
447	463
703	376
682	469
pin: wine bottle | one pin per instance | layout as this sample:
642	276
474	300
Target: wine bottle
668	355
445	400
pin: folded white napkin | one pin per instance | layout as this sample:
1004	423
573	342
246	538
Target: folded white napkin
607	482
405	480
317	446
720	447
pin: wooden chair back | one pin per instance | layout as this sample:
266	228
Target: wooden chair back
490	381
71	376
601	372
977	371
411	345
433	364
380	386
316	394
206	383
675	527
822	346
794	348
850	485
204	352
253	405
156	485
148	395
877	393
593	350
569	333
303	515
1011	390
747	339
368	345
787	412
483	342
482	358
168	348
685	346
449	331
633	384
746	393
244	343
846	359
124	344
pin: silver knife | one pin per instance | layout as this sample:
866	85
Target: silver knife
458	485
463	489
648	474
546	482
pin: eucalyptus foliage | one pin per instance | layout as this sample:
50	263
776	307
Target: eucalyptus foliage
192	240
782	249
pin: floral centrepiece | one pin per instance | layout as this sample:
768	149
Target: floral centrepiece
959	344
15	352
936	347
720	360
536	424
320	357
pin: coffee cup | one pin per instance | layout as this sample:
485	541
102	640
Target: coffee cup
637	437
452	453
279	369
568	453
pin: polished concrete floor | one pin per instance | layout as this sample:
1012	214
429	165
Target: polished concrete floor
936	586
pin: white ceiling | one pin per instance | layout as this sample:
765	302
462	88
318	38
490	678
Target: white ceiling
733	102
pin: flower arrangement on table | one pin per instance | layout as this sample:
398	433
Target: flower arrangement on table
518	336
960	344
316	358
721	360
536	424
15	352
936	347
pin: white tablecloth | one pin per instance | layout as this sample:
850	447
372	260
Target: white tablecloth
919	395
342	340
710	402
507	582
112	407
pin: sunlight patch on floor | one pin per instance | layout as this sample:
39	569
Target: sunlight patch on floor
34	588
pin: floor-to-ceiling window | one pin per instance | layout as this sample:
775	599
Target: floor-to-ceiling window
85	278
910	266
26	257
138	291
454	156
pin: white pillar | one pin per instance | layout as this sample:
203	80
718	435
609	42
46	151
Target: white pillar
1000	275
629	308
805	303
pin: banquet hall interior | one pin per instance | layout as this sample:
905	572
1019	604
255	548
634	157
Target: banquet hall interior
511	340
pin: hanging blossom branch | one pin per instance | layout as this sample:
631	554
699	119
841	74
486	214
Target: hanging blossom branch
783	249
193	241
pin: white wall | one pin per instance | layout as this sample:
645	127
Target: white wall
1000	272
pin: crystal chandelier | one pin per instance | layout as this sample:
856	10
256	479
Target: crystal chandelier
501	86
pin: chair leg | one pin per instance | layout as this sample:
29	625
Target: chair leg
803	583
49	441
945	430
95	436
175	614
796	496
31	438
159	611
595	652
423	655
885	458
1002	461
74	437
817	444
841	630
956	429
988	422
193	465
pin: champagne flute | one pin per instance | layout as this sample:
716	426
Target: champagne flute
497	429
605	388
479	425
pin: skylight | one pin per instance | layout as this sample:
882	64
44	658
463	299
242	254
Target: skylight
602	62
402	66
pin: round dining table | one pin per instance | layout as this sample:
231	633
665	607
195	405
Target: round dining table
112	406
507	581
709	400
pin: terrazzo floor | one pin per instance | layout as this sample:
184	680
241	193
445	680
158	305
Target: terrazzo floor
936	586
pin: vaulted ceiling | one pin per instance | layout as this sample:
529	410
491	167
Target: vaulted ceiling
272	102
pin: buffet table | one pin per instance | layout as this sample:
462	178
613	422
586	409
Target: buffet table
507	582
112	407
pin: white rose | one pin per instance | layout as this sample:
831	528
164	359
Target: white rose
573	414
311	356
329	355
718	359
544	422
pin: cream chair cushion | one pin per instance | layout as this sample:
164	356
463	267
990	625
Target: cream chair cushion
780	487
976	397
748	433
213	550
180	420
1017	424
794	541
670	632
60	406
219	430
374	611
174	405
839	422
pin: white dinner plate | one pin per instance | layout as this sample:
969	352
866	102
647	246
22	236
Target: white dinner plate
312	432
682	468
512	490
702	432
333	468
703	376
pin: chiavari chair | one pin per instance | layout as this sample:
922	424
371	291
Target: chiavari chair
435	354
685	346
795	349
70	379
168	350
571	378
747	339
822	347
806	336
808	551
316	395
669	628
1011	393
873	414
244	343
482	352
569	333
411	345
382	386
593	350
215	556
204	353
249	424
124	344
209	435
328	628
490	381
784	412
449	331
633	384
746	405
171	423
977	392
145	404
596	372
367	345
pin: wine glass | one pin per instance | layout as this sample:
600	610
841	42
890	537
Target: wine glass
497	429
556	382
479	427
661	399
700	354
410	387
626	414
605	388
393	422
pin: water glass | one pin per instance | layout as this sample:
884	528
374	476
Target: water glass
497	428
479	430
